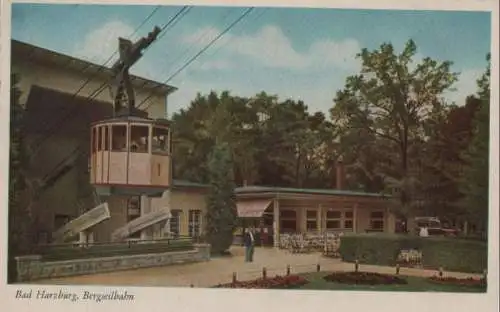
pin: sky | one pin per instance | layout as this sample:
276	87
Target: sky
297	53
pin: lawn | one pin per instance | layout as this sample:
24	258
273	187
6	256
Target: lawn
415	284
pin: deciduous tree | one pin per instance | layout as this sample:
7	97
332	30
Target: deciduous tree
390	100
475	185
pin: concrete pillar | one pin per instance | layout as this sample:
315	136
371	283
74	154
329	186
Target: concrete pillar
166	229
83	238
166	204
302	215
318	218
145	209
355	218
90	237
390	220
276	223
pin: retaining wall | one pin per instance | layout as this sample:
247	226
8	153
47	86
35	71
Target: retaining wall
33	267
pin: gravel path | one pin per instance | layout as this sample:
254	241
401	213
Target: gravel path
220	270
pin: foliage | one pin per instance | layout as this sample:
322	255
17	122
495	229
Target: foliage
390	125
221	203
470	282
391	100
443	163
475	182
364	278
452	254
65	252
20	218
271	142
277	282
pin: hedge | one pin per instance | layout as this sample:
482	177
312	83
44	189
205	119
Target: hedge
452	254
65	252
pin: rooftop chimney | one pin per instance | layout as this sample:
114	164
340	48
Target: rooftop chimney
339	174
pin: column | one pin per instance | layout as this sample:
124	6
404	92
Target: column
166	203
145	209
166	229
82	238
302	220
355	218
318	218
390	227
90	237
276	223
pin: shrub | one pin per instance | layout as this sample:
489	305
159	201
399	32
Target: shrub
452	254
65	252
364	278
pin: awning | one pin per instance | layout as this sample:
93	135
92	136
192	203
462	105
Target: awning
252	208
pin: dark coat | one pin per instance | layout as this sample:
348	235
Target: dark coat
247	240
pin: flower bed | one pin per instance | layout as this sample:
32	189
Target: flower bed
470	282
278	282
364	278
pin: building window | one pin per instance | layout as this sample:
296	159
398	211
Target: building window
312	220
160	140
60	220
348	220
139	139
106	138
288	221
99	138
119	138
348	224
338	219
194	229
175	223
134	212
333	220
377	221
94	140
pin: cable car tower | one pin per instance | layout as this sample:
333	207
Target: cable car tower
130	153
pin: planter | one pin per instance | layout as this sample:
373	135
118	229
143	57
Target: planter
278	282
453	281
364	278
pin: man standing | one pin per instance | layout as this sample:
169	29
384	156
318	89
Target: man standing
249	242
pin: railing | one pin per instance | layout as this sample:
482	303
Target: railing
327	242
77	250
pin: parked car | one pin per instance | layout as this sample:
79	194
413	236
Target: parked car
434	227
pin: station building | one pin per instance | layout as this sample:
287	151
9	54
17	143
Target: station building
62	135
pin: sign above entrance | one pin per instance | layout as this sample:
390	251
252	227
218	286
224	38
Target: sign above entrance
252	208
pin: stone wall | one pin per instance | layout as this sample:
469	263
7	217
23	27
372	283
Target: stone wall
33	267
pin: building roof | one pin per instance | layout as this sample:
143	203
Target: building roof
287	190
138	119
184	183
28	52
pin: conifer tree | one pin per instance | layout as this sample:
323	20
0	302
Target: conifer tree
221	204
